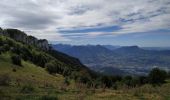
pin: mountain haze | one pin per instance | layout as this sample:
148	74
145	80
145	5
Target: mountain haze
129	59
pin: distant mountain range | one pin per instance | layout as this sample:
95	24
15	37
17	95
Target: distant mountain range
118	59
113	47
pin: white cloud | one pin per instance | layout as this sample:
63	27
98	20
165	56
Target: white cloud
49	16
49	35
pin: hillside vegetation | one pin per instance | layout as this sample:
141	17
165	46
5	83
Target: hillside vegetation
31	82
52	61
33	72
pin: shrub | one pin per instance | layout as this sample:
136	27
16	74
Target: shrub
16	59
50	67
6	47
48	97
56	67
14	70
4	79
40	59
169	74
1	41
107	81
157	76
127	80
27	89
66	81
0	50
143	80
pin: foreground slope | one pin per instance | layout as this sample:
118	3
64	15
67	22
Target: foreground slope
28	73
31	82
17	82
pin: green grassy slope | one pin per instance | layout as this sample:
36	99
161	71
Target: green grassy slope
28	72
27	75
54	61
49	87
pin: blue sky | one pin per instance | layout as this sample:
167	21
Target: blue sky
115	22
160	38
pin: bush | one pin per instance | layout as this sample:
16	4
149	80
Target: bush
56	67
27	89
169	74
143	80
127	80
4	79
40	58
48	97
107	81
16	59
6	47
157	76
51	67
66	81
14	70
0	50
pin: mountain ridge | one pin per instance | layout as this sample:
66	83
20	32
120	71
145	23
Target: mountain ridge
23	37
53	61
132	59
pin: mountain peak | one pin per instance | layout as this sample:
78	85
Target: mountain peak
129	48
133	47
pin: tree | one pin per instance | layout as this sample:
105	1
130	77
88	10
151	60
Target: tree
84	79
107	81
1	50
169	74
16	59
50	67
127	80
143	80
6	47
157	76
66	81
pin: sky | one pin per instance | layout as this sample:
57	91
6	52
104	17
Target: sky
114	22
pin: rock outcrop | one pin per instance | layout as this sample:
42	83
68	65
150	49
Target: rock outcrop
22	37
43	44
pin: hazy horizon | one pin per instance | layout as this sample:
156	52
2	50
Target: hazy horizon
109	45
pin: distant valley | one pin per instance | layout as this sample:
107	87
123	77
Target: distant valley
119	60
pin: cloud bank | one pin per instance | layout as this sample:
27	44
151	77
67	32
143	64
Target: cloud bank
54	19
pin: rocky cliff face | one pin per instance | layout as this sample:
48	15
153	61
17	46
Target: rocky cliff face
43	44
22	37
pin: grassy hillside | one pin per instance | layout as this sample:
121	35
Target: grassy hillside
30	82
27	73
53	61
14	79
